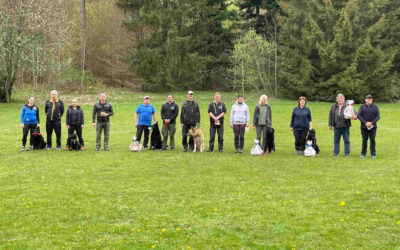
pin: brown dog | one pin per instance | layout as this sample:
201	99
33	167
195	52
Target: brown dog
198	138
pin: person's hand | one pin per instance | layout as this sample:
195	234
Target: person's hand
231	125
135	124
94	125
354	117
216	119
368	124
82	126
247	126
181	124
67	126
22	125
105	114
310	128
330	127
38	125
291	128
254	127
167	120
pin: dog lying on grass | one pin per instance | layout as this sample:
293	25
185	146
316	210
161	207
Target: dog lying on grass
198	138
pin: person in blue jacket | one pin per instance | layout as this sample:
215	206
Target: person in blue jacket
29	121
300	124
145	112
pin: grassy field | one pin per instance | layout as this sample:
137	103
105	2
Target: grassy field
176	200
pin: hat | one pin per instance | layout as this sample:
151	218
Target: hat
368	96
146	97
190	92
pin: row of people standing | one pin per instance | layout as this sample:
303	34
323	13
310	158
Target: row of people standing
145	113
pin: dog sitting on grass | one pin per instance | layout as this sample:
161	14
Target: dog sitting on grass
73	143
198	138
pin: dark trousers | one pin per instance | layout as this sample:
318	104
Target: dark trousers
102	126
28	128
56	126
337	134
216	129
185	130
168	130
371	134
139	132
300	139
78	129
238	130
261	134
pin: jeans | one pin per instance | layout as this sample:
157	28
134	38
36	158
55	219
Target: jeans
220	130
337	133
238	130
100	126
78	129
300	139
139	132
170	130
261	129
185	130
28	128
371	134
56	126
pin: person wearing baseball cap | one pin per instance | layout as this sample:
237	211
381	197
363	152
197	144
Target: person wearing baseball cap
190	117
369	115
145	112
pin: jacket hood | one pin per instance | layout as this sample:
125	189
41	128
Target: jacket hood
77	107
237	103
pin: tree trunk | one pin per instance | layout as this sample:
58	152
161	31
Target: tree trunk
83	46
276	58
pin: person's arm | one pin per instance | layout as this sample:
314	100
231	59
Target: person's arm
247	116
83	117
22	115
223	111
270	114
61	108
292	120
154	114
378	115
67	117
231	116
45	108
94	113
162	113
360	115
37	115
136	118
210	113
330	119
182	114
255	119
111	113
175	113
198	113
309	120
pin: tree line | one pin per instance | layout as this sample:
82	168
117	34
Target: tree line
288	48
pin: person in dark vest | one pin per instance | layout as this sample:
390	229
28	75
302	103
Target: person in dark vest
75	122
102	111
300	124
190	117
369	115
169	113
216	111
29	121
54	110
262	120
340	125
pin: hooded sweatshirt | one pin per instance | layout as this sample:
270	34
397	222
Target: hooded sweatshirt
240	114
29	114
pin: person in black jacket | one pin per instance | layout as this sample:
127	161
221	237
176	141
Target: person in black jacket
54	110
75	121
340	125
190	117
369	115
216	111
102	110
169	112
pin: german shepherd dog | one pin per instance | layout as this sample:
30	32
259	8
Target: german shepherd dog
198	138
269	141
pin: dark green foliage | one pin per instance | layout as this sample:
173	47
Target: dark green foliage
340	47
181	44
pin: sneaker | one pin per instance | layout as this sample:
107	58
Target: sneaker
335	155
48	148
220	150
240	150
185	149
144	148
236	150
297	152
106	148
23	148
301	152
173	148
373	156
346	155
209	150
163	148
58	148
362	156
30	148
97	149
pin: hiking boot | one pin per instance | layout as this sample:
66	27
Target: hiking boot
185	149
240	150
297	152
97	149
58	148
362	156
30	148
373	156
220	150
236	150
172	148
67	148
23	148
209	150
48	148
106	148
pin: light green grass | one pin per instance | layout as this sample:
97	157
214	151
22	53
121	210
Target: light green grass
120	199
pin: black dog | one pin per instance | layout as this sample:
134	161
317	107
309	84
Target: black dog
38	140
155	139
269	141
311	137
73	143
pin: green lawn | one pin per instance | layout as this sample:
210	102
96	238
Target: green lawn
176	200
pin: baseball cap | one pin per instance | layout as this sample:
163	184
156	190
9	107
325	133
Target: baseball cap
368	96
146	97
190	92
